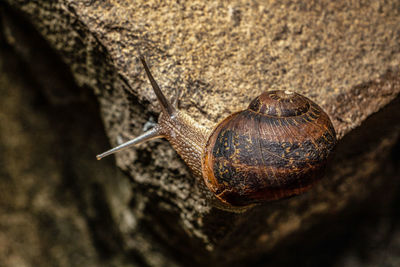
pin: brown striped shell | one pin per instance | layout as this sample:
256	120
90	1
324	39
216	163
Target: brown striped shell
274	149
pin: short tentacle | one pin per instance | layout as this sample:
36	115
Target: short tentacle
175	100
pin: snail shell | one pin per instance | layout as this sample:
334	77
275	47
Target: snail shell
275	148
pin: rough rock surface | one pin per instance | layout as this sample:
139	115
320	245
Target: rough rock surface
344	55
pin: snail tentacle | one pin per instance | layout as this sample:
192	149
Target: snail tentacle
156	131
175	100
153	133
166	106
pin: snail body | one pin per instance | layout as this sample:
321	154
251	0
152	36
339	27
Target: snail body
276	148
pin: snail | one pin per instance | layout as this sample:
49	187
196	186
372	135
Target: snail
274	149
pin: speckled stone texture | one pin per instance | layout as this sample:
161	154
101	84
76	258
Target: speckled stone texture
344	55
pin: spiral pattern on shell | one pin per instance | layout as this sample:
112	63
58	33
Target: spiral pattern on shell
274	149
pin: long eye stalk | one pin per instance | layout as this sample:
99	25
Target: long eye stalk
165	104
151	134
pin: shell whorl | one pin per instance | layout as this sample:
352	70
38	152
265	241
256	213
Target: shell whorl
280	104
274	149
